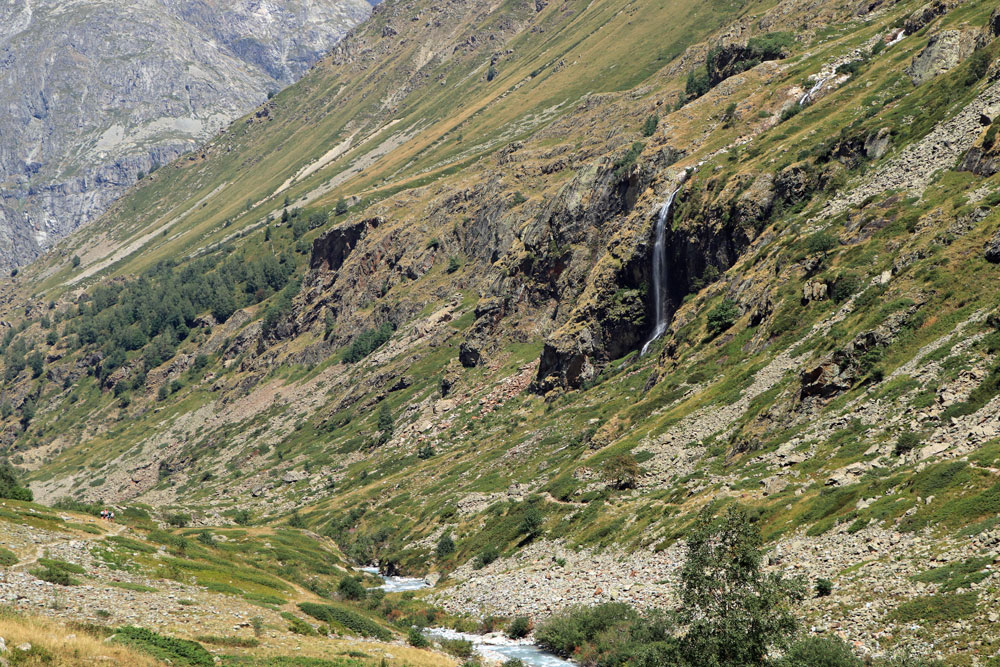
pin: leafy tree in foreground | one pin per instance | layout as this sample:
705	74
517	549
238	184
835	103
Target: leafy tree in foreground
735	613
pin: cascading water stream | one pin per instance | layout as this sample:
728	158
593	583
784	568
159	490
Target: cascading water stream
818	86
660	271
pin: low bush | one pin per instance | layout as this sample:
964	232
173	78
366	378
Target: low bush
416	638
819	652
489	554
722	316
351	589
519	628
367	342
7	558
954	576
167	649
349	619
906	441
10	487
235	642
936	608
460	648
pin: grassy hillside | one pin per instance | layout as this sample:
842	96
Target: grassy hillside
405	301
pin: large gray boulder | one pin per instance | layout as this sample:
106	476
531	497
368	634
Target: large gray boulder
992	252
944	51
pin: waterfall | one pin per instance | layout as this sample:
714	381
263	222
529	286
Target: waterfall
660	271
805	99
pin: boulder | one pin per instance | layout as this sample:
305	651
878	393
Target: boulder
993	24
980	162
293	476
825	380
877	143
944	51
989	114
923	16
815	290
992	252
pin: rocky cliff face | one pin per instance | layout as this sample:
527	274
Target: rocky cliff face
101	92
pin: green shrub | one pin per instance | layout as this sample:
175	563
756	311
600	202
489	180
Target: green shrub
445	546
7	558
460	648
298	626
819	652
991	136
235	642
520	627
242	517
166	649
623	164
906	441
649	125
851	68
979	64
489	554
416	638
54	576
846	285
823	588
821	242
57	564
722	316
349	619
351	589
621	471
954	576
571	629
179	519
790	112
697	83
936	608
10	486
367	342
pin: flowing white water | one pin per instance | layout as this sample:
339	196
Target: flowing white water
818	86
499	648
660	271
397	584
898	38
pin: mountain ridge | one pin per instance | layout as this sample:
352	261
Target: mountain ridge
160	79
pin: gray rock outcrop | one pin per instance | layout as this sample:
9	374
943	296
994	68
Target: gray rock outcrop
944	50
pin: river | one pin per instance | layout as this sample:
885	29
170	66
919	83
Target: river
492	647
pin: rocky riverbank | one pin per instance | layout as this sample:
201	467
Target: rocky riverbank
871	570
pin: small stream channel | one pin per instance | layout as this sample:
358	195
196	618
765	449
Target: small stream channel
492	647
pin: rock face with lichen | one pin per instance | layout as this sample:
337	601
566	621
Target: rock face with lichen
97	93
944	51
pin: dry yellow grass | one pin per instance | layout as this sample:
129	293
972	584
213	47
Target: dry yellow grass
331	649
55	643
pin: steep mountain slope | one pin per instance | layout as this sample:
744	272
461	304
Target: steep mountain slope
98	93
407	296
